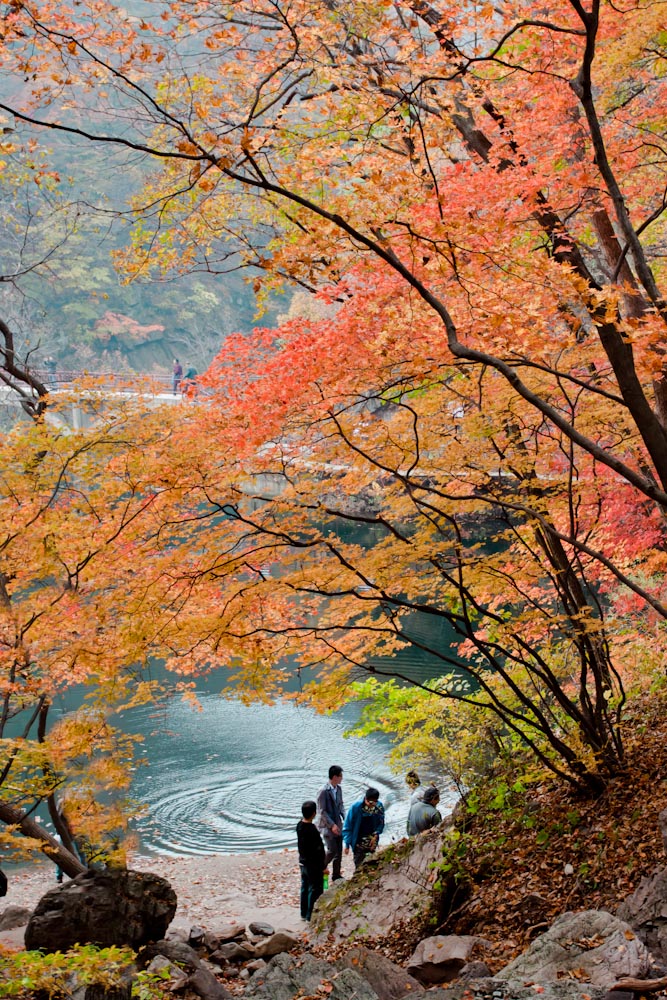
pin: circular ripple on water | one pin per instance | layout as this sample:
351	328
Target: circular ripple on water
231	817
231	778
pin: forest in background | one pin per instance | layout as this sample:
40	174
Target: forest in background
61	291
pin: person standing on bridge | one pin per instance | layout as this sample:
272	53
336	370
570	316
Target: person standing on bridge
177	374
51	365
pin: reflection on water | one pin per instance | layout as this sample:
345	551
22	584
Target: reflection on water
231	778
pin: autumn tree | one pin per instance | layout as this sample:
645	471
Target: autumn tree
480	190
75	521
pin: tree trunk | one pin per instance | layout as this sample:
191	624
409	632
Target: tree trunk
14	816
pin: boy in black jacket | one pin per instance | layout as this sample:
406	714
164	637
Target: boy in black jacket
311	859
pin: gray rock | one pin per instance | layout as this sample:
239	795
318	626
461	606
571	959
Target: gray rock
274	945
646	910
287	976
227	932
256	965
175	951
111	907
662	823
14	916
177	977
474	970
234	951
388	980
382	895
261	928
196	937
205	985
218	958
178	934
439	959
565	989
596	946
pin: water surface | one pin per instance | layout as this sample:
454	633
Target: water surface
231	778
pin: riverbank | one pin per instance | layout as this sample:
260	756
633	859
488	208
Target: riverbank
211	889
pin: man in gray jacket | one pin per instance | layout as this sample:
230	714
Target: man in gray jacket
424	815
330	816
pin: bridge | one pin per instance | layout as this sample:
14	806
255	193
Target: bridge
60	378
156	389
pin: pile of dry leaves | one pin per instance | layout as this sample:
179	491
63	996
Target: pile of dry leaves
542	854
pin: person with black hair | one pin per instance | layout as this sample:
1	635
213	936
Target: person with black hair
331	813
363	825
424	815
311	859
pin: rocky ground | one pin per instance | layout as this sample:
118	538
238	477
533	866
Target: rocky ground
210	889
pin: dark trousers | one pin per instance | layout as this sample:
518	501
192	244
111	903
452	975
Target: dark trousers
359	853
334	853
312	888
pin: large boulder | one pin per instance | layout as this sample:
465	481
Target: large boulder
646	911
14	916
392	890
112	907
592	946
288	976
439	959
498	989
387	979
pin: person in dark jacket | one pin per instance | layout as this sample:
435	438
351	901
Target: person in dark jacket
176	375
331	813
424	815
363	825
311	859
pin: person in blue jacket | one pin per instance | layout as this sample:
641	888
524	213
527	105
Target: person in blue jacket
363	825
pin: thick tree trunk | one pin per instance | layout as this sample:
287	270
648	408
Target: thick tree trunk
31	390
635	306
13	816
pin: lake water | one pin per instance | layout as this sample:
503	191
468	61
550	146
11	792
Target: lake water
231	778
